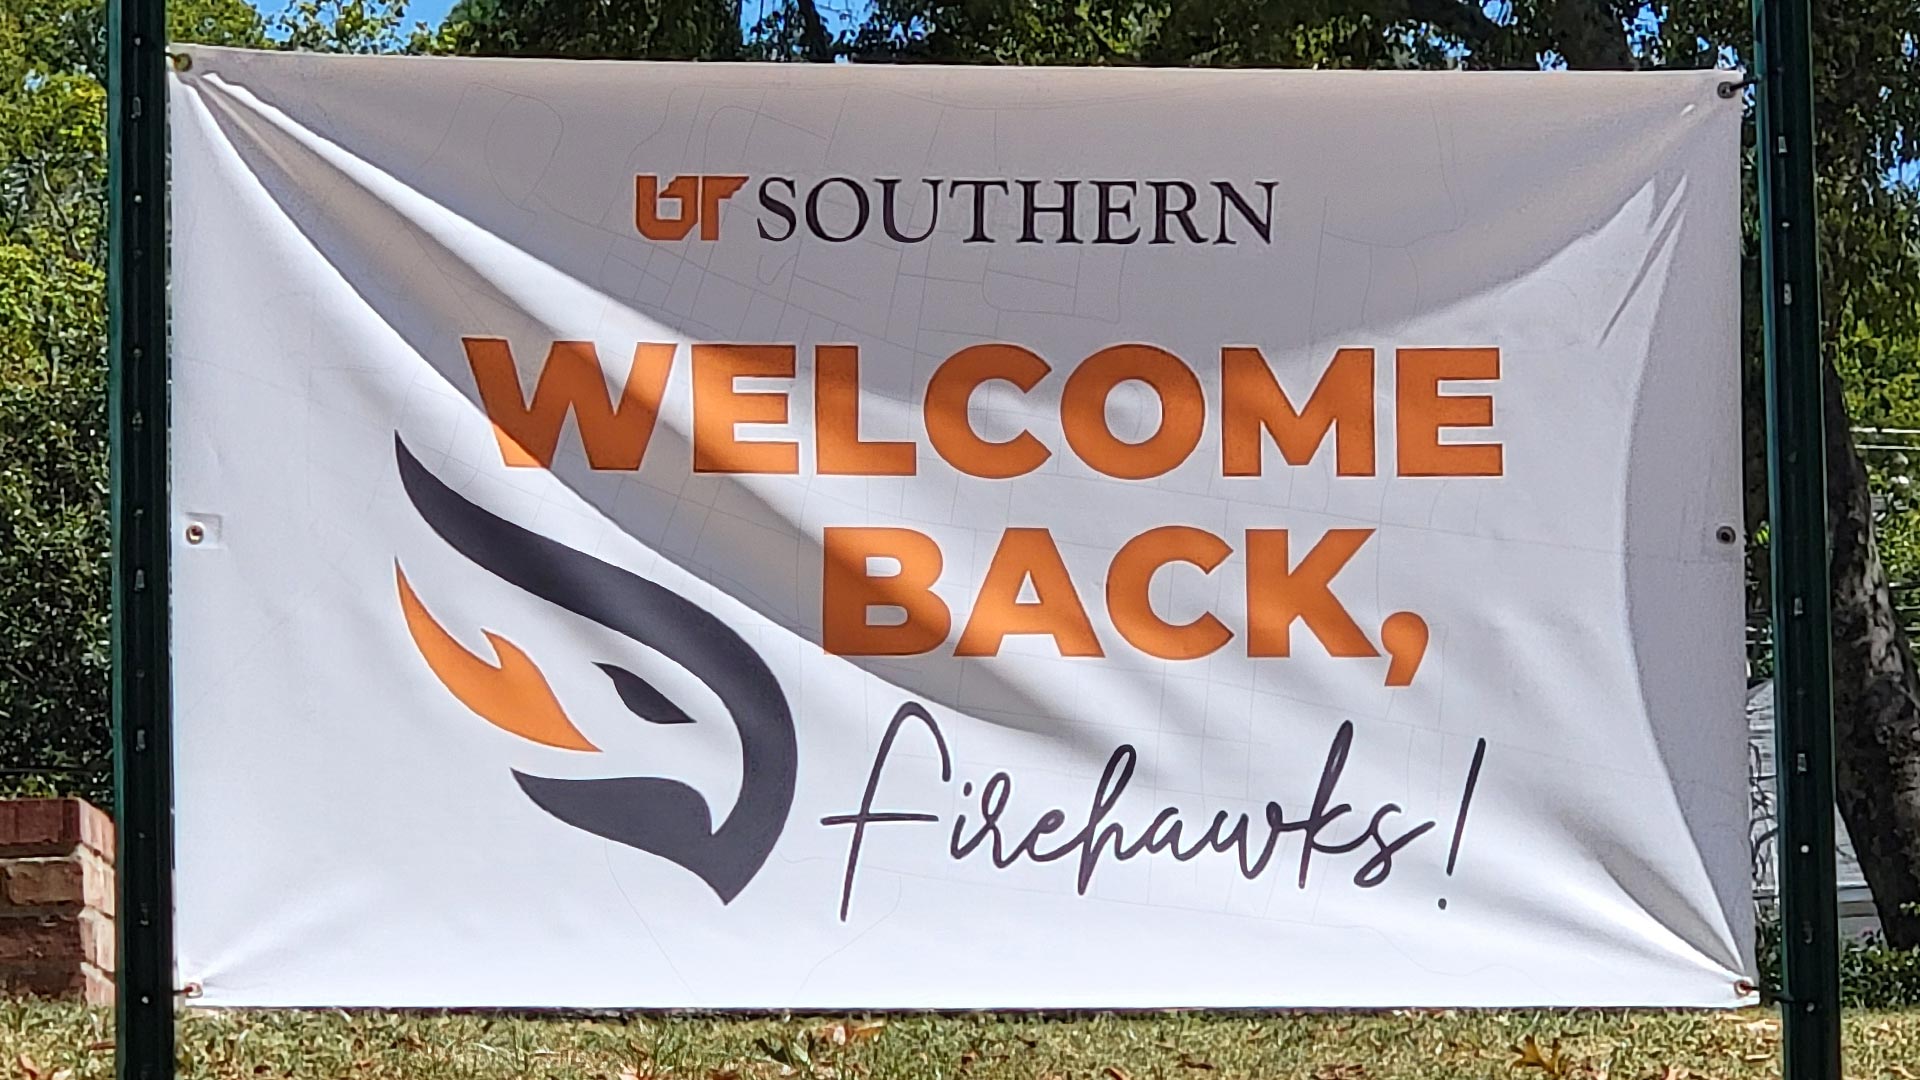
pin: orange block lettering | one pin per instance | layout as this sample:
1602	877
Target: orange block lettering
838	450
1252	400
1277	596
848	591
719	408
1131	576
1023	555
1424	410
615	437
952	434
1083	411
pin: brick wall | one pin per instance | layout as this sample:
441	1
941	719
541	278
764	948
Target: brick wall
56	899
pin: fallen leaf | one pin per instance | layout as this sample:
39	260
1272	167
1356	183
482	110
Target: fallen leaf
103	1044
1903	1072
1191	1062
1115	1072
27	1066
843	1032
1549	1060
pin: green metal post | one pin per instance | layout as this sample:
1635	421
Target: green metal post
1797	490
142	697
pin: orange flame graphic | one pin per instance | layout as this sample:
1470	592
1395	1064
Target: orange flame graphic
512	695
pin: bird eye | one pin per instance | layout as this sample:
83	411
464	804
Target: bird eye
640	698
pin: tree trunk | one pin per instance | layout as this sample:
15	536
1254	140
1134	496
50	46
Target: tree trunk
1876	694
815	44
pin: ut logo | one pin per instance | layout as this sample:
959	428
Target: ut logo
699	199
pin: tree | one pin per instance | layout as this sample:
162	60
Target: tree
647	29
53	481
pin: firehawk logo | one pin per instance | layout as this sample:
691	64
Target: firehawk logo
654	814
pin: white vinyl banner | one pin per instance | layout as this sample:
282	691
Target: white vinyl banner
820	537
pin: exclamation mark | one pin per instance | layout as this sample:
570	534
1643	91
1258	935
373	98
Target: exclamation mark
1466	801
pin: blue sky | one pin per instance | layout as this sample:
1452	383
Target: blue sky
428	11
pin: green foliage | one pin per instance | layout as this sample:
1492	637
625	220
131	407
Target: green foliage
341	26
233	23
53	433
1873	974
1209	33
53	543
641	29
53	656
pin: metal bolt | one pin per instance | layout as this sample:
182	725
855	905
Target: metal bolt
196	532
1726	534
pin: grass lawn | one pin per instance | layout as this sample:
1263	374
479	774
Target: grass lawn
45	1041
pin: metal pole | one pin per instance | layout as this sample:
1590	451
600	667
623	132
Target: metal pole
1796	467
137	391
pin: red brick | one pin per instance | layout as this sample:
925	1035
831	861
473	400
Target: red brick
40	827
97	986
97	936
46	980
102	893
96	830
79	879
34	940
42	882
54	827
82	982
